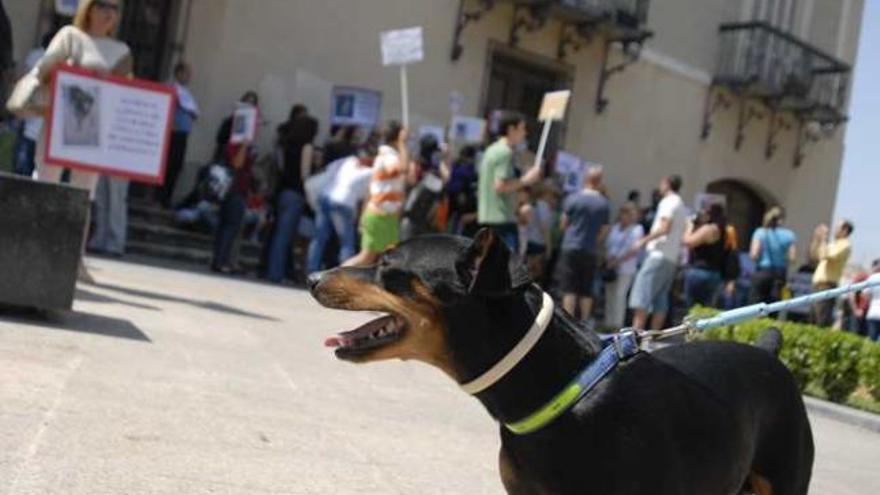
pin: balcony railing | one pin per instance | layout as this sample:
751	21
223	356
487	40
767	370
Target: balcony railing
615	14
767	63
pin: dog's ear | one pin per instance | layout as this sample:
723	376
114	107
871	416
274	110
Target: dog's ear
489	268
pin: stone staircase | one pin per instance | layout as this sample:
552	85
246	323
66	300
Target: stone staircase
153	233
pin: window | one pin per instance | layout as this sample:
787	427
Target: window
519	83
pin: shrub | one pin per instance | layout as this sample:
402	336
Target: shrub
836	363
832	361
797	354
869	368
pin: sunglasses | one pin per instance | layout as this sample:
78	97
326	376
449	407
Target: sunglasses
106	5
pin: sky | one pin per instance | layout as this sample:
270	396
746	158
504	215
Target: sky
857	196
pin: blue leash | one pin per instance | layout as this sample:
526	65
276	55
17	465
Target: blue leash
754	311
623	346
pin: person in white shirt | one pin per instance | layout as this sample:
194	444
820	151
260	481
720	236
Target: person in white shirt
653	283
873	315
622	251
338	205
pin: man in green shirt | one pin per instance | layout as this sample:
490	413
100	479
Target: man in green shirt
496	200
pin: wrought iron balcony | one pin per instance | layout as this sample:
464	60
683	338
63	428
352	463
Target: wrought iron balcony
760	61
620	20
620	16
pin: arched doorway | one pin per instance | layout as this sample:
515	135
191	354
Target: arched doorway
745	207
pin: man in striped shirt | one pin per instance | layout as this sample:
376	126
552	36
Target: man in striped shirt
380	222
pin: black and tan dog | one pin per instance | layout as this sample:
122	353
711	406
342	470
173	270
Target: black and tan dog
696	419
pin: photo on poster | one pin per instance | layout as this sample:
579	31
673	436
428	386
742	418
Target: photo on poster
467	129
109	125
355	106
244	124
571	171
345	106
81	115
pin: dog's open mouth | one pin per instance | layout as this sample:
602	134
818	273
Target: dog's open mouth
368	338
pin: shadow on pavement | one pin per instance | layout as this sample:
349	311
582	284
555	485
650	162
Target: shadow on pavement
209	305
89	296
74	321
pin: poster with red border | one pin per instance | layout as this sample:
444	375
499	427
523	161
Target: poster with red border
109	125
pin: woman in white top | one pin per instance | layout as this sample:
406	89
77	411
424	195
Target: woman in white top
90	43
622	247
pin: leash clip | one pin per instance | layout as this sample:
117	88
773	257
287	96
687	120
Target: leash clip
617	346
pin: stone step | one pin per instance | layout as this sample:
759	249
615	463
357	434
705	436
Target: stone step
188	255
150	213
162	235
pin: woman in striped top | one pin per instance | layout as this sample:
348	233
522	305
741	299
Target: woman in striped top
380	222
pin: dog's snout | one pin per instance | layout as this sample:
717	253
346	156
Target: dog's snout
314	280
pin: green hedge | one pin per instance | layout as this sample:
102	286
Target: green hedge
835	362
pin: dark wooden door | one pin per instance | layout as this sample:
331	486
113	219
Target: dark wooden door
745	208
146	26
515	84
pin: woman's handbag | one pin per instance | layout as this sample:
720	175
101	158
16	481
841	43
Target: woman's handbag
29	98
609	274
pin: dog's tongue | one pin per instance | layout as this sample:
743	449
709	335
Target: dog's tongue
334	341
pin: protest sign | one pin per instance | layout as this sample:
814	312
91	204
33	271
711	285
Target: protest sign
571	171
467	129
244	124
552	108
355	106
554	105
110	125
402	47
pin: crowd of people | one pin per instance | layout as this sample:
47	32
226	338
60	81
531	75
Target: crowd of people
364	190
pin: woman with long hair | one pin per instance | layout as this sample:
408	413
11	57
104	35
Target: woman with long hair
90	43
706	238
295	142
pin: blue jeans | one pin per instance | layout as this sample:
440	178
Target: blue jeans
287	217
874	330
232	212
701	286
332	216
25	149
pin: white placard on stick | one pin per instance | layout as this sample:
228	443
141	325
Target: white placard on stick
244	124
355	106
403	46
467	129
110	125
554	105
552	108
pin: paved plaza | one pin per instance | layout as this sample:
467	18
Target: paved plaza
172	382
